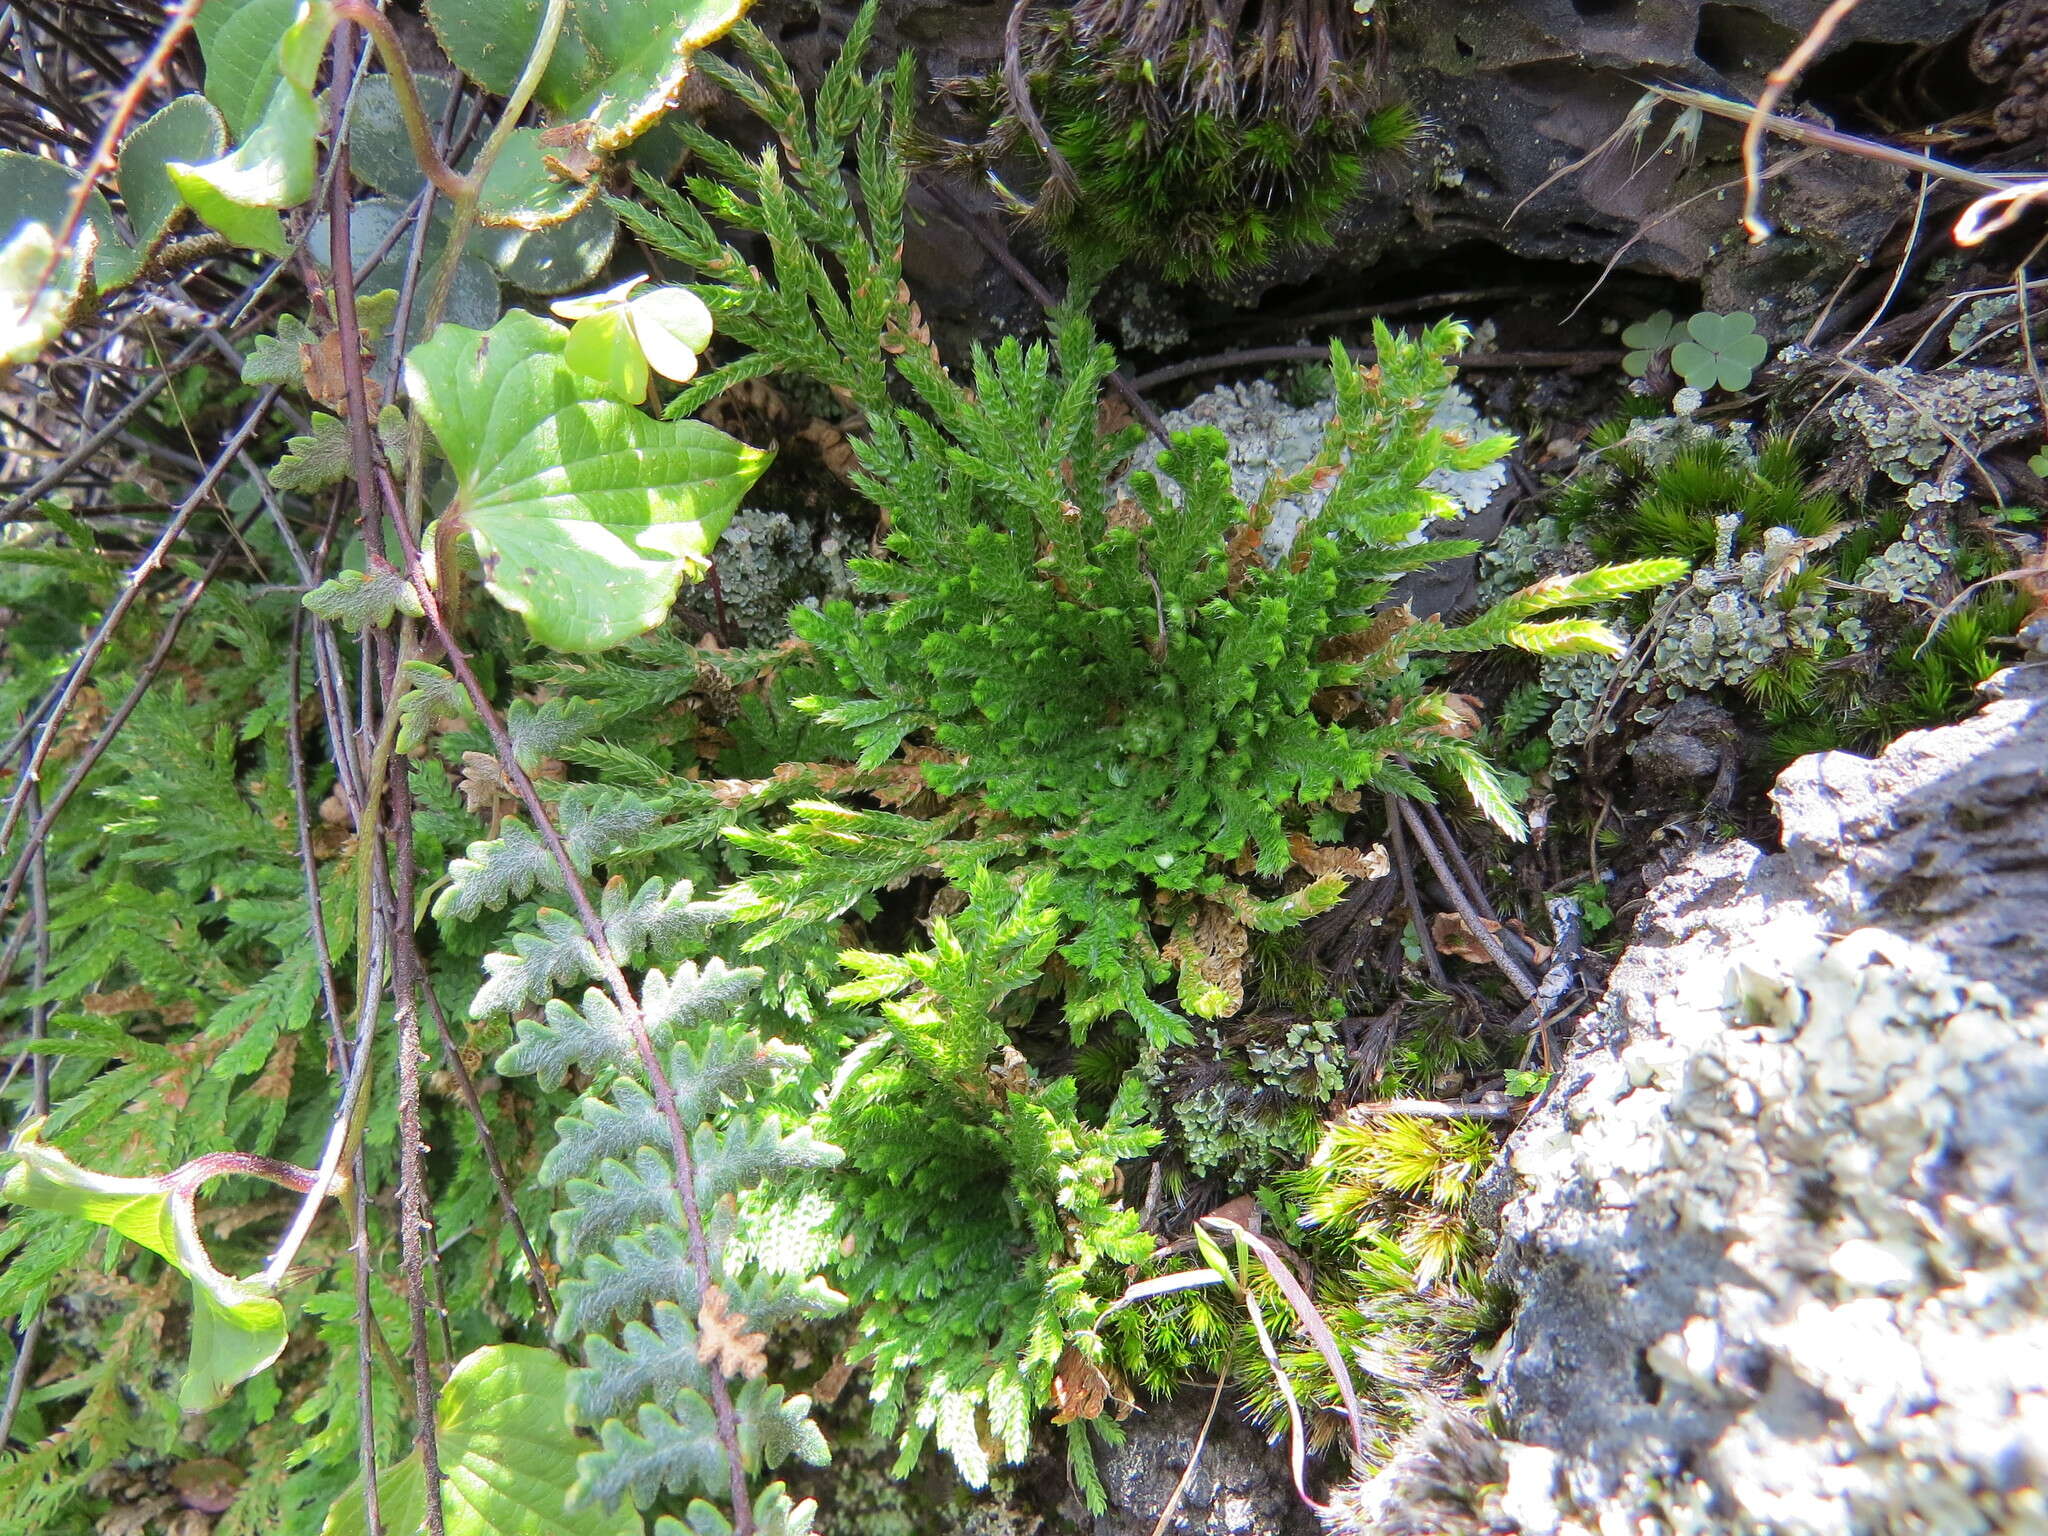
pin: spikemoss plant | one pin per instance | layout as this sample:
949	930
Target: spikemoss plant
1099	735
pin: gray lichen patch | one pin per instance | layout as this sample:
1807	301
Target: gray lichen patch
768	563
1270	437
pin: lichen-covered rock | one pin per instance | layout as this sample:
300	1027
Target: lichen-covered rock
1779	1232
1920	429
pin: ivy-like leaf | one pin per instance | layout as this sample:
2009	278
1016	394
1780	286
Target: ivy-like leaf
186	128
542	730
272	168
587	1039
431	693
508	1457
587	514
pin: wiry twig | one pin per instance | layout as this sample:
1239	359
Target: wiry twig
1007	260
451	1057
39	829
1399	839
177	24
414	1214
1248	357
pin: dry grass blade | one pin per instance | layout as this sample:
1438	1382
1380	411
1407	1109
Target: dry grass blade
1776	84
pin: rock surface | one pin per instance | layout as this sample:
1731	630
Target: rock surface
1515	94
1779	1232
1239	1488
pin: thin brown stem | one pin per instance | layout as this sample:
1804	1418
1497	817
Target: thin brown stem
446	179
615	984
1406	866
1509	967
451	1058
414	1217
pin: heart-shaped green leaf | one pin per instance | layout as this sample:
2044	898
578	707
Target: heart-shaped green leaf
186	129
273	166
240	50
617	66
32	312
508	1457
1652	334
237	1326
587	514
38	191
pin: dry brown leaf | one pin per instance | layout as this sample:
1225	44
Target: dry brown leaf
327	380
721	1336
1011	1072
136	1519
1243	550
128	1000
910	332
565	150
1345	800
1453	936
1214	942
1079	1389
1352	863
1243	1209
483	783
736	792
833	446
1128	514
1461	717
275	1080
826	1388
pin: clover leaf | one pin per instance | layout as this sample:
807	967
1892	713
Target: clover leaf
623	332
1646	338
587	513
1722	351
237	1325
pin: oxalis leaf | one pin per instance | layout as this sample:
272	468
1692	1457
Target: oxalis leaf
237	1325
587	514
508	1457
